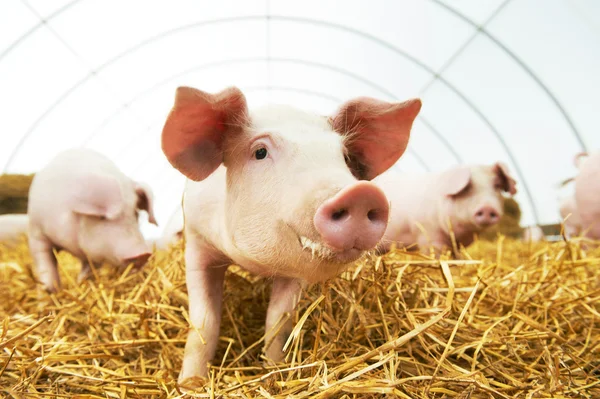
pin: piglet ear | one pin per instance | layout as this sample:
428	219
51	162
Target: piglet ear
192	138
96	195
375	133
507	182
455	180
145	200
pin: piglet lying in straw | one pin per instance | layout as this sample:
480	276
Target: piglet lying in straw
280	192
83	203
422	206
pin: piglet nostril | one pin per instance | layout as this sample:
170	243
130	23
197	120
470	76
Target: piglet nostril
480	213
373	215
339	215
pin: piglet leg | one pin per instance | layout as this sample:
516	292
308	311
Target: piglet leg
205	272
284	298
44	261
85	273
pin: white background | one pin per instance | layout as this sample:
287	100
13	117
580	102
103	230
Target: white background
513	81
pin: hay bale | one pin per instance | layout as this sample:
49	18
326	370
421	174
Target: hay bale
14	185
13	205
510	223
513	320
14	193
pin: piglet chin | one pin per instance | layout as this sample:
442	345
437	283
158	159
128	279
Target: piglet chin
321	251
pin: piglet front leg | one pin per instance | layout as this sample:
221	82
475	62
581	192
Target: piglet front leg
284	298
205	272
44	260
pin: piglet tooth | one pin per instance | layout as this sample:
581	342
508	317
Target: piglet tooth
303	241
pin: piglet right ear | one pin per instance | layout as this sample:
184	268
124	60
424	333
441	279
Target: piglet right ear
192	138
96	195
455	180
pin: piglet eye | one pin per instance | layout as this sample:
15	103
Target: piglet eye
261	153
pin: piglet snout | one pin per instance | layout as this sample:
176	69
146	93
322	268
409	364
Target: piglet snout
138	260
486	216
356	217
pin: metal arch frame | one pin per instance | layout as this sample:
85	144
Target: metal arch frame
313	93
293	61
32	30
307	21
519	62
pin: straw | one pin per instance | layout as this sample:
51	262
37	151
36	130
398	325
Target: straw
507	320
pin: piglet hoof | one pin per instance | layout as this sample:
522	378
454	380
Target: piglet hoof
190	384
84	274
50	289
270	382
50	286
274	352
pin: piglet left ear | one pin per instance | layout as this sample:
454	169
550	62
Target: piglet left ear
375	133
95	194
508	182
145	200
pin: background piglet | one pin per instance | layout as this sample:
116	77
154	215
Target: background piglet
587	195
570	216
173	231
280	197
83	203
13	227
469	197
567	204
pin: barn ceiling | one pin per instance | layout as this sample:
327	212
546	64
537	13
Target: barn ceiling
513	80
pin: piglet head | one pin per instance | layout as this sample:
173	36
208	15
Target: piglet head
474	195
106	212
294	201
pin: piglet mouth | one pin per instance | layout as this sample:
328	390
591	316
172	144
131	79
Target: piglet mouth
320	251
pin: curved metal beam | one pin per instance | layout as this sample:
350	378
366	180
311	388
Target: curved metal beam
307	21
463	47
337	70
31	31
313	93
522	64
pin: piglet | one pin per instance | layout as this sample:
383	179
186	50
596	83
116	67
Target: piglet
173	231
587	194
567	204
13	227
469	197
280	192
81	202
570	216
